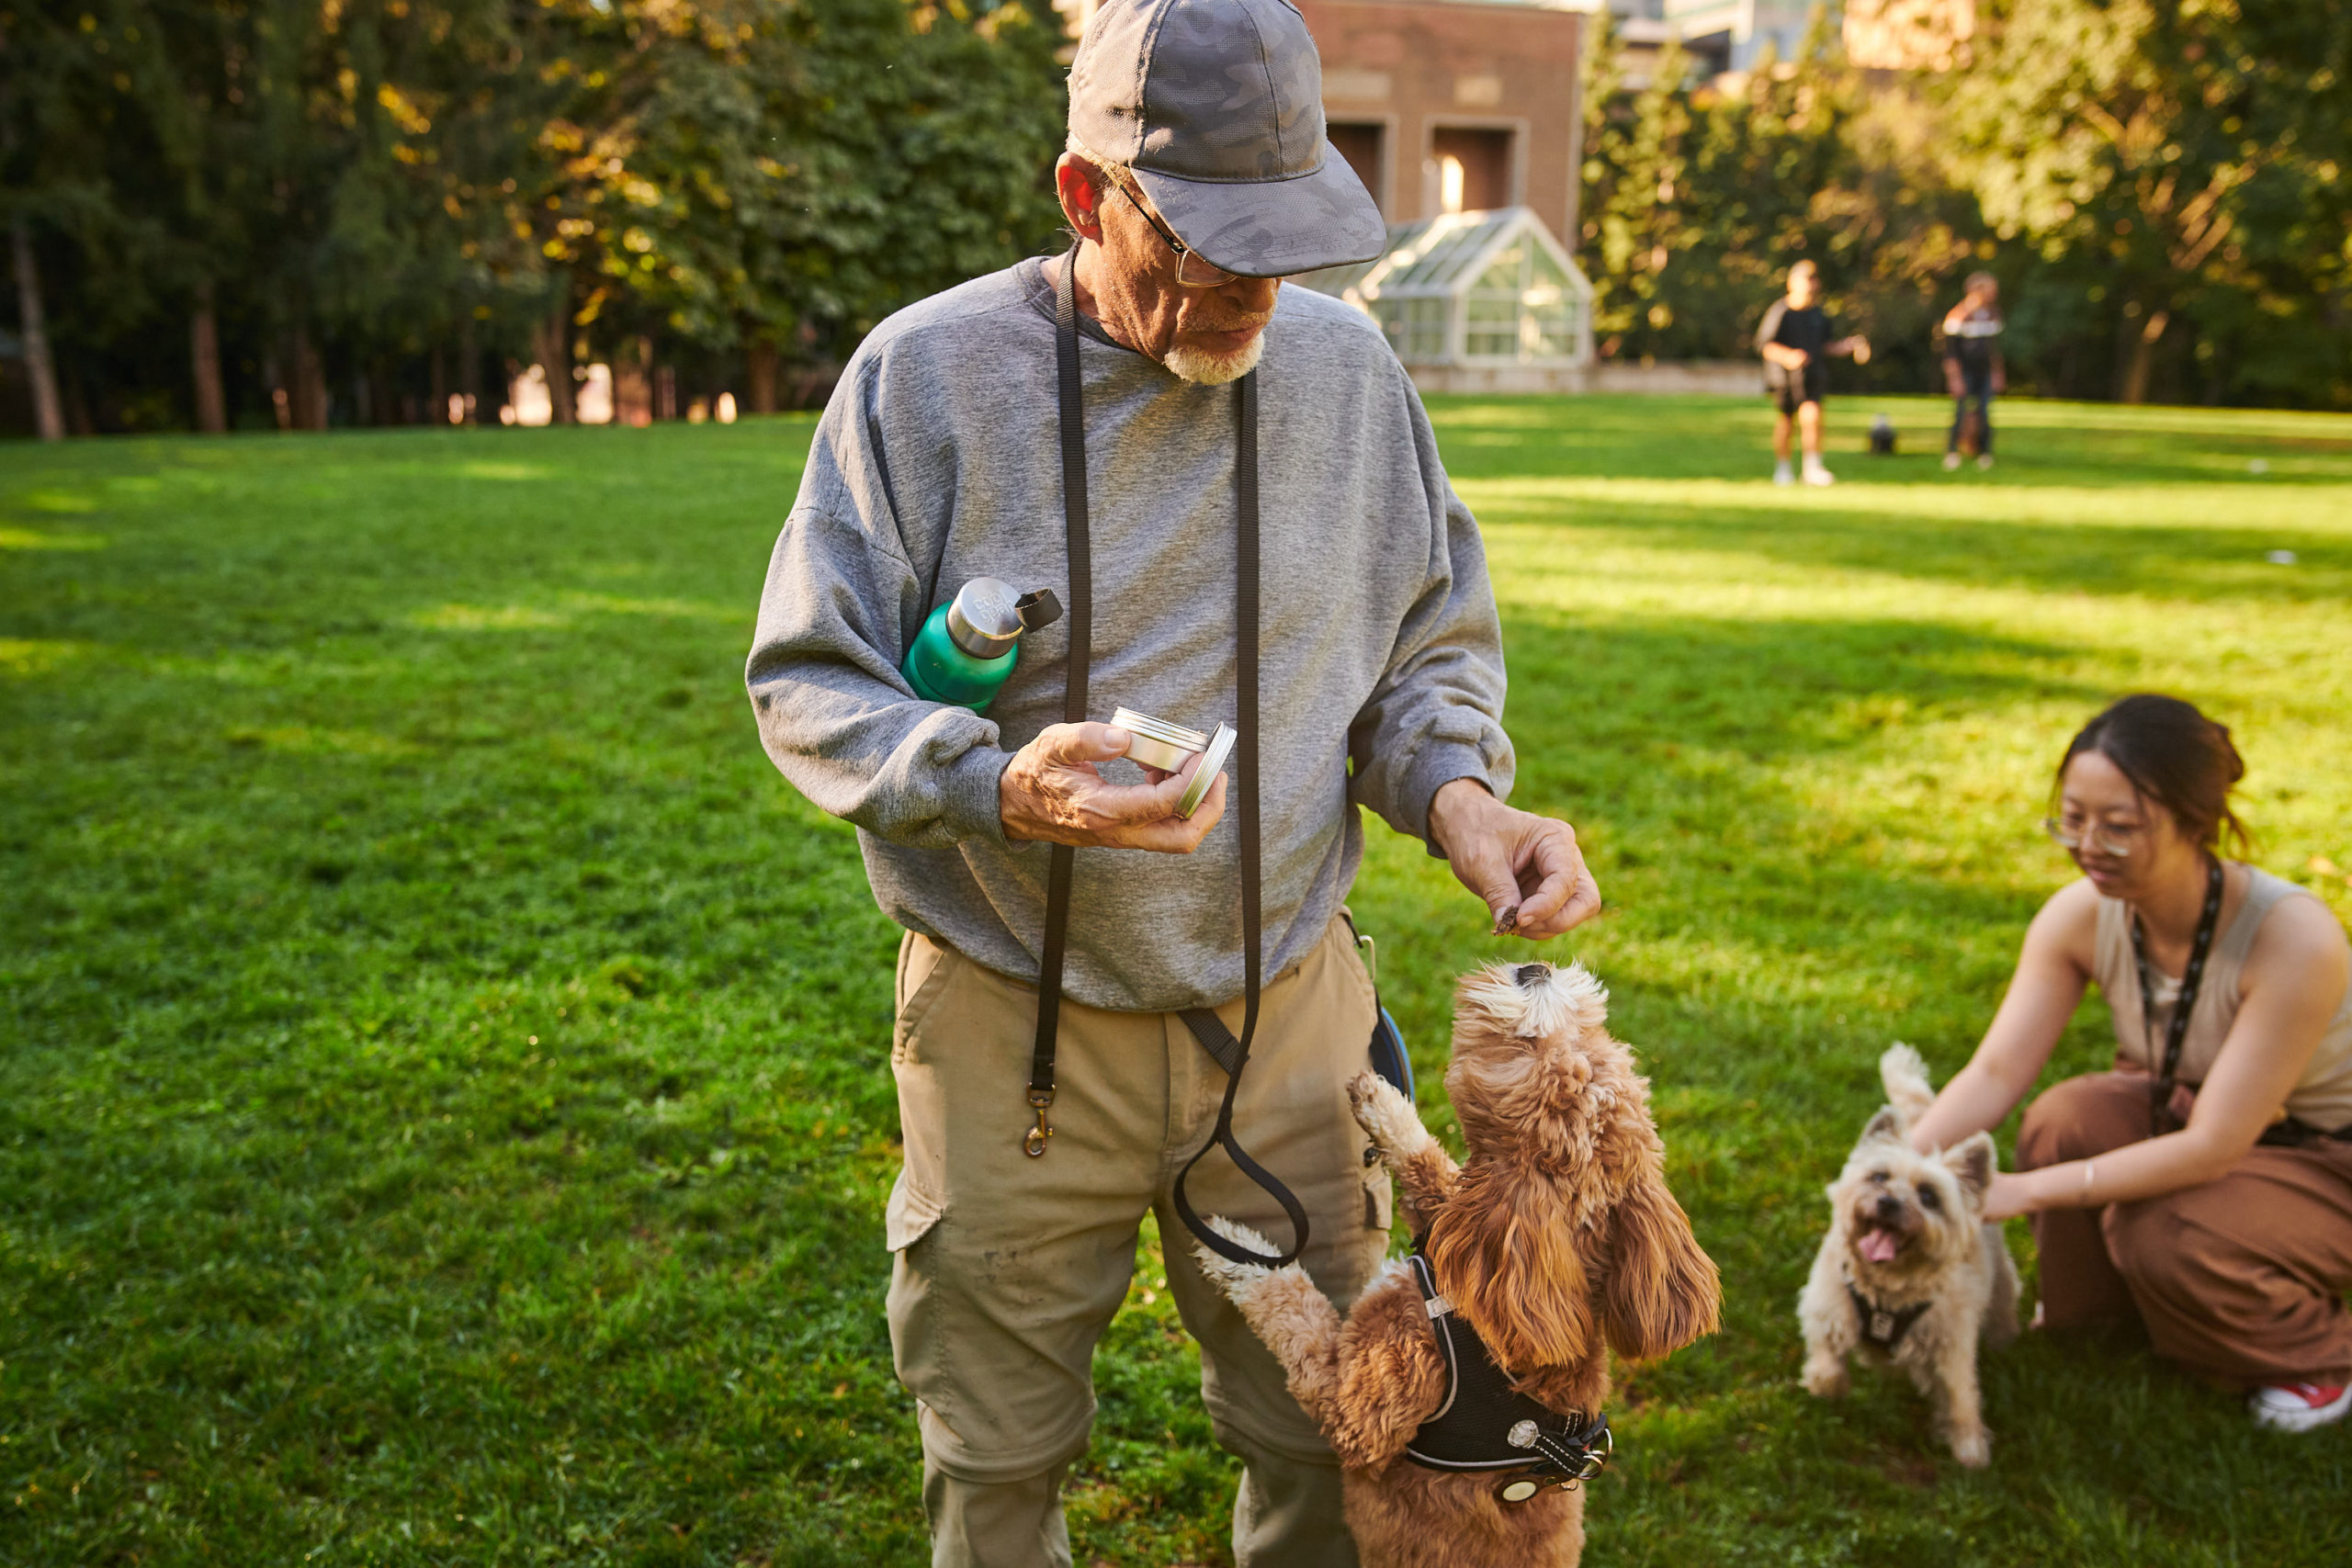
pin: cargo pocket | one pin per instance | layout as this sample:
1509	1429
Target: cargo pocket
1379	1211
910	1215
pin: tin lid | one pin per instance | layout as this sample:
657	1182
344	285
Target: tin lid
1220	746
1159	729
985	619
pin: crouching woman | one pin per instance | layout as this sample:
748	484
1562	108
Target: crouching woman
2206	1183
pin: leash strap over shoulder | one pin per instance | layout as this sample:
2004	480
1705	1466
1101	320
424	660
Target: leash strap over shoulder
1230	1054
1076	669
2191	980
1206	1026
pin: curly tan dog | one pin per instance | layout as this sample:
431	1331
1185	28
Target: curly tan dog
1555	1242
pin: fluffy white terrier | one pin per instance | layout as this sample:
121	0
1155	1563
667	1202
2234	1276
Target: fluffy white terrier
1910	1274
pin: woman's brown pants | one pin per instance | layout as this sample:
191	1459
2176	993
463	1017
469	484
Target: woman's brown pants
2242	1279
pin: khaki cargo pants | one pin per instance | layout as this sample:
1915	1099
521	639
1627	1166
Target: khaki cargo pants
1009	1268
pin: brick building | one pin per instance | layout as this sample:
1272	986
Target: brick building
1456	105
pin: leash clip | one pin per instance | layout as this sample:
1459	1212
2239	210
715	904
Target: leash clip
1034	1145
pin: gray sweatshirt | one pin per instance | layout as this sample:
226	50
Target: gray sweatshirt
938	460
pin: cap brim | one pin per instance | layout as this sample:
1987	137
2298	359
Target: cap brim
1273	228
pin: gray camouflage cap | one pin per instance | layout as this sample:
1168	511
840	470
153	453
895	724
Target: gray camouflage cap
1217	105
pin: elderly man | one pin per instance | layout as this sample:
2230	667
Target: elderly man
1255	526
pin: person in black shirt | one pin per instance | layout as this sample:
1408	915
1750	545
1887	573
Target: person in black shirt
1973	366
1795	341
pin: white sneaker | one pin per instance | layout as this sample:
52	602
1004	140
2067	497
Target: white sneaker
1984	460
1784	475
2298	1406
1814	474
1952	462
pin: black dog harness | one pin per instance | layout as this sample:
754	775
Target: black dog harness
1885	1327
1487	1424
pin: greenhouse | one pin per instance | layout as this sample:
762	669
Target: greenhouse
1475	301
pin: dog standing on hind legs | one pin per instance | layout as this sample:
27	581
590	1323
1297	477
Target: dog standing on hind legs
1910	1274
1555	1242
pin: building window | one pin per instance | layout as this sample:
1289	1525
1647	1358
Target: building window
1360	145
1473	169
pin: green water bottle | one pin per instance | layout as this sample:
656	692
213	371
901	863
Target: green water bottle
965	650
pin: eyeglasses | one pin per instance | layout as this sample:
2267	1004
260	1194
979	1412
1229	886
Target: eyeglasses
1191	270
2101	835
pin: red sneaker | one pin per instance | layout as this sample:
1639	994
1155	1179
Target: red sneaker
2298	1406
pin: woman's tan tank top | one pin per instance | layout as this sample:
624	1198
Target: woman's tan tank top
2324	1098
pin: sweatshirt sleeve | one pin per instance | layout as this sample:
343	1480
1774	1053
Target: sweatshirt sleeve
1436	713
841	603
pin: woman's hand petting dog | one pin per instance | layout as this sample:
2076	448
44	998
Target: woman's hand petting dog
1526	867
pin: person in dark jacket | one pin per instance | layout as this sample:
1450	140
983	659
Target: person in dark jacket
1972	369
1796	341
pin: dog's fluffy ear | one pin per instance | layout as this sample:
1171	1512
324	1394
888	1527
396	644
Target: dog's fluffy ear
1663	1291
1886	1127
1972	1162
1509	1263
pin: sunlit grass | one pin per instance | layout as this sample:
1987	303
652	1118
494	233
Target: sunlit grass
444	1114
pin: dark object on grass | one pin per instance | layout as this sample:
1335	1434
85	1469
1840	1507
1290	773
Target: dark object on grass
1881	437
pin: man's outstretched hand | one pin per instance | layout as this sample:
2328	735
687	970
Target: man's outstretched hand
1053	790
1526	867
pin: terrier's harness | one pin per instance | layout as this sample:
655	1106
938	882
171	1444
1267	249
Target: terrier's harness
1885	1327
1487	1424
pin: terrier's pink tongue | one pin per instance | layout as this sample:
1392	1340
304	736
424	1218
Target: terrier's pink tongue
1878	1246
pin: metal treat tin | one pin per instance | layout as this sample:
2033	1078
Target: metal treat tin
1156	743
1212	763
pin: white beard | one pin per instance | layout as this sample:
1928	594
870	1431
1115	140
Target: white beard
1206	370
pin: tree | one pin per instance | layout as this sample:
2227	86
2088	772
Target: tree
2175	160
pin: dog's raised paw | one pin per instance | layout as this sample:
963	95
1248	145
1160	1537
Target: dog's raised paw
1386	1117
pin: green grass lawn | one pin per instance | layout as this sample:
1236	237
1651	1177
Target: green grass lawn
444	1107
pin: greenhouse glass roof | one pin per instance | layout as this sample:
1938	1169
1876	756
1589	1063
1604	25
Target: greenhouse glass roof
1490	288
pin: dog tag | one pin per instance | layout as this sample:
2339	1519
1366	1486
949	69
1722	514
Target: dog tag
1518	1491
1881	1325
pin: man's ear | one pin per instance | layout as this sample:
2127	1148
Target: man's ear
1081	200
1886	1127
1972	1162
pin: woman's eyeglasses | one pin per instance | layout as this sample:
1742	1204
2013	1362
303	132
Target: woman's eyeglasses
1191	270
2105	839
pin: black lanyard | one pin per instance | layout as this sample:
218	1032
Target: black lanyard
2160	1091
1229	1054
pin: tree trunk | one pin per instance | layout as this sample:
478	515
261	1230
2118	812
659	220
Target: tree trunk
309	393
436	394
555	358
633	383
204	359
49	414
762	359
2142	363
470	369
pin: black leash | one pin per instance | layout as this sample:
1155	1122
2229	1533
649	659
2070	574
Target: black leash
1081	653
2160	1090
1230	1054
